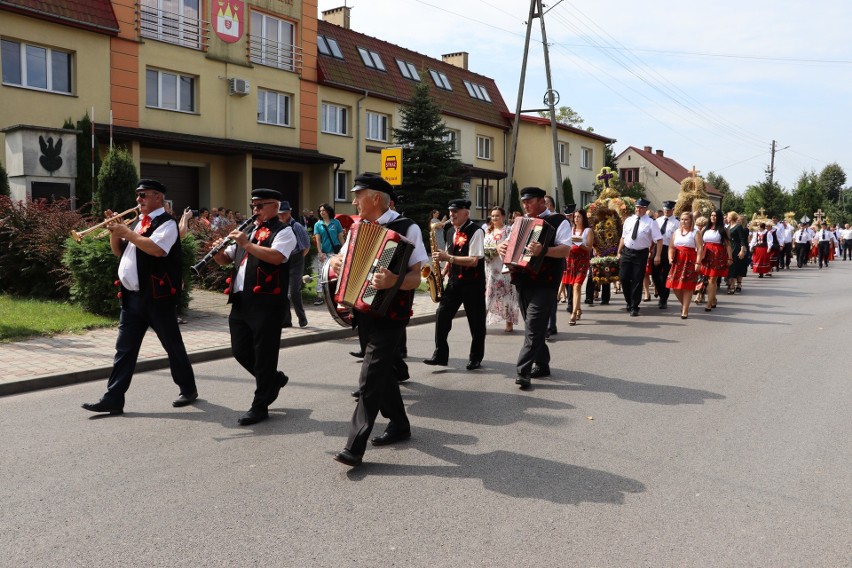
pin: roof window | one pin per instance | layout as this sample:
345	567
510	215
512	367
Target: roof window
441	80
371	59
408	70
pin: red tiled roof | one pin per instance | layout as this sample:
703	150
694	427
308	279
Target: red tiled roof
351	74
671	168
93	15
546	122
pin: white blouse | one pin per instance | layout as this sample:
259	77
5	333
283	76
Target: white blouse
711	236
584	236
681	240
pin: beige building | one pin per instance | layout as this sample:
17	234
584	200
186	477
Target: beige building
581	157
660	175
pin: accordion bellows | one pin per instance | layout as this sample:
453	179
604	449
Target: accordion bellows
526	230
371	247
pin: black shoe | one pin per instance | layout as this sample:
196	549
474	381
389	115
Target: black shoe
523	381
604	303
435	360
288	324
634	313
356	394
663	305
473	365
357	354
253	417
184	400
348	458
538	372
390	438
303	322
282	379
592	303
104	406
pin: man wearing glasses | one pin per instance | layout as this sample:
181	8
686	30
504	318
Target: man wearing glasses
257	292
149	273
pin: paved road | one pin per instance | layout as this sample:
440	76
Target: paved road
736	451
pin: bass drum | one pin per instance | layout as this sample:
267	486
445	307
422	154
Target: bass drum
328	281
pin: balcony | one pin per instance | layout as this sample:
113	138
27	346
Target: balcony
180	28
284	56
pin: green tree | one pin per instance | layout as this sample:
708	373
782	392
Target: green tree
609	158
565	115
831	179
732	202
720	183
4	182
117	179
808	196
430	169
84	190
770	197
567	191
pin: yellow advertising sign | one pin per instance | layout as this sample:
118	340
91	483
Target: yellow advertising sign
392	165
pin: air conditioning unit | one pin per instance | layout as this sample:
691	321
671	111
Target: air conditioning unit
238	87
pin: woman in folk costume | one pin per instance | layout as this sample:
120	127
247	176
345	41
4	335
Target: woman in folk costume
760	243
685	260
578	262
501	301
775	248
717	255
739	248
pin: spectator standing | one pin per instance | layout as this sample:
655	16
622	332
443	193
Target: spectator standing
328	236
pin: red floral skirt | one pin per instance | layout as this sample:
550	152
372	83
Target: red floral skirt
715	261
682	275
760	260
577	266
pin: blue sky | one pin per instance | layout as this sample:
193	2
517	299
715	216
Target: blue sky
710	83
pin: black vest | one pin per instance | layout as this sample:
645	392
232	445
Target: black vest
264	282
460	246
550	274
401	308
160	277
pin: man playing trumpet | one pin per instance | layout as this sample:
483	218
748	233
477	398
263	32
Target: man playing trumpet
149	273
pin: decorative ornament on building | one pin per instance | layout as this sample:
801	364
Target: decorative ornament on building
50	158
228	20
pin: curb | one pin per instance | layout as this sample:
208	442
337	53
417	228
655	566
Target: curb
53	380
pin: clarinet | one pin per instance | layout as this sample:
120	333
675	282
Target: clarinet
196	268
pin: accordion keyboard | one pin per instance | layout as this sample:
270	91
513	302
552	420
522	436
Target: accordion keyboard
384	260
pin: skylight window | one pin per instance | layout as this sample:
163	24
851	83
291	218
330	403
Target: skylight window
477	91
441	80
329	46
371	59
408	70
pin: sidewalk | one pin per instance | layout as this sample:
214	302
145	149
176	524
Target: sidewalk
47	362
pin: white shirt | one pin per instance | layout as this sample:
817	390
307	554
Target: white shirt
687	240
711	236
803	236
164	237
584	238
788	233
563	231
847	234
672	225
824	235
284	242
649	232
413	234
770	240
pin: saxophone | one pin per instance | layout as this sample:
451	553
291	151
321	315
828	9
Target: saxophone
432	271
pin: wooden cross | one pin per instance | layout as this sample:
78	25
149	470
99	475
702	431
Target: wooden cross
694	174
605	176
818	214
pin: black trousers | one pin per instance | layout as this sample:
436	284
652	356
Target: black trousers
847	248
137	315
590	290
378	383
472	297
255	342
536	303
659	274
631	272
803	251
785	256
823	248
294	290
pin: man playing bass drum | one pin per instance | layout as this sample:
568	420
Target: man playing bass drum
378	383
537	290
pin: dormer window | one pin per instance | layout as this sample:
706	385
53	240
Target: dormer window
371	59
329	46
441	80
408	70
477	91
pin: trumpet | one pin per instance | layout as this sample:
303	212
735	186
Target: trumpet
119	218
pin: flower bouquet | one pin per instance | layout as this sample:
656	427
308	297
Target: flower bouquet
604	269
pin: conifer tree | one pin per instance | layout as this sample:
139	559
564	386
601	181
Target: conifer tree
4	182
430	171
116	181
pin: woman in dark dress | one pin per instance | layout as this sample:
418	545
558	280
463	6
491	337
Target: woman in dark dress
739	253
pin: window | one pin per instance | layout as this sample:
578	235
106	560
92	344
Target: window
371	59
408	70
453	137
174	21
377	127
441	80
629	175
36	67
329	46
335	119
341	186
169	91
563	153
483	147
477	91
483	193
586	198
271	42
273	108
586	158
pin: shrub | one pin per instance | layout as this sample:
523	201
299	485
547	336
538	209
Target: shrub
117	179
32	238
4	182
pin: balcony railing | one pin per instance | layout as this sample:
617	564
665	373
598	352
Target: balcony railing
179	28
275	54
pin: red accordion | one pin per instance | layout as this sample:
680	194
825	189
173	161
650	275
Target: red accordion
371	247
526	230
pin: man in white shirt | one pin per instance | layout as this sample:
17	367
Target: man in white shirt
846	237
824	239
639	237
802	243
660	272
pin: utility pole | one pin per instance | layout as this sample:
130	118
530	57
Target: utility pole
772	164
550	99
